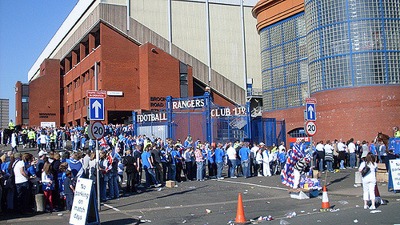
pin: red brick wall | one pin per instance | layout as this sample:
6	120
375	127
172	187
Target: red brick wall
159	75
44	94
359	112
137	71
119	70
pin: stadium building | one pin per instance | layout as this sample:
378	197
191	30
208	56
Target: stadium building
140	52
130	40
344	53
4	112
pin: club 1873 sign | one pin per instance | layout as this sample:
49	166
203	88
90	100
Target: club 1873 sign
162	116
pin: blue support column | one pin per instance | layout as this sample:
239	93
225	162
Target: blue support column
169	116
134	122
208	116
248	120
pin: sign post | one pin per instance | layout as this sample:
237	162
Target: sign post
96	111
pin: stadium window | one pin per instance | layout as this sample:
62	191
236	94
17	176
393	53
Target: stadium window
298	132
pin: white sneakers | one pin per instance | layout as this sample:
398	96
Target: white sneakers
371	208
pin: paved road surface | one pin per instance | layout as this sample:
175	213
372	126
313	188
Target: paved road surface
262	196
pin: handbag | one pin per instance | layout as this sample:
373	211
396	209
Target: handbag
365	171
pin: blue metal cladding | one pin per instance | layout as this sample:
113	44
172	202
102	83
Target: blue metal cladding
341	43
284	63
353	43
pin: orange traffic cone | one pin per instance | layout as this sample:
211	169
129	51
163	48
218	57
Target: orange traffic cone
325	200
240	218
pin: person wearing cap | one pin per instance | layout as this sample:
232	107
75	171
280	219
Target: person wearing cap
39	166
265	156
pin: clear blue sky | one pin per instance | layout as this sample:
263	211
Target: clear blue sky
26	27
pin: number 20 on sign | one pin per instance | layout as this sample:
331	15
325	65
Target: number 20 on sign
311	128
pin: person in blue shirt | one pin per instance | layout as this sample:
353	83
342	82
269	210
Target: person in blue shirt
372	148
244	154
219	160
212	166
175	158
147	164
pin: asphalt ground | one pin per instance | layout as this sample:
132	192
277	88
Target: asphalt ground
215	202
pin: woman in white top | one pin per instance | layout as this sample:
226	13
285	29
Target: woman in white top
14	142
259	162
48	184
369	180
266	168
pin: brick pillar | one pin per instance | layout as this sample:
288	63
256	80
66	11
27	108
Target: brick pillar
74	58
91	42
82	51
67	65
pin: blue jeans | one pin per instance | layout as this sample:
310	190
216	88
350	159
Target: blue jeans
246	169
172	174
199	171
342	164
103	187
113	186
321	165
329	165
220	166
232	167
150	175
22	195
352	160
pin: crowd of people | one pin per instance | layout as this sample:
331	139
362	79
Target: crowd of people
65	154
332	155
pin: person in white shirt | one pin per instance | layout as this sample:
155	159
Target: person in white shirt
320	155
282	147
265	156
14	142
231	152
342	153
351	147
21	181
328	148
259	162
253	161
42	139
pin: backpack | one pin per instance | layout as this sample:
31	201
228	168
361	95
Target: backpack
9	183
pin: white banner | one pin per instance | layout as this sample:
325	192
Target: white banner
80	204
395	170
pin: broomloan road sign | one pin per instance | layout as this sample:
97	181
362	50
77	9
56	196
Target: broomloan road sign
96	108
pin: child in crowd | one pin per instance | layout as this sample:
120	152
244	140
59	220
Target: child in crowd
69	190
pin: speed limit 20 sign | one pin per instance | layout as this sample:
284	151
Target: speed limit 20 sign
311	128
96	130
